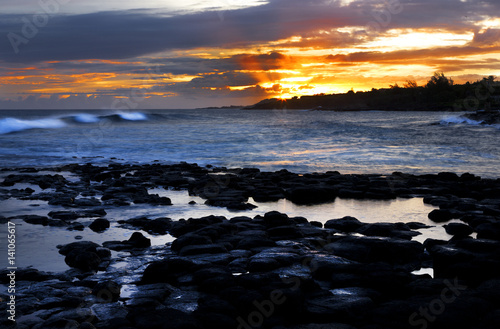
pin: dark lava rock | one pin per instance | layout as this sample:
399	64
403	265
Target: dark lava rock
107	291
255	242
488	231
395	230
82	255
485	117
36	220
417	225
284	232
159	225
473	260
83	260
203	249
137	240
99	225
147	319
336	308
275	218
80	245
458	229
311	195
24	274
345	224
189	239
72	215
168	270
439	215
373	249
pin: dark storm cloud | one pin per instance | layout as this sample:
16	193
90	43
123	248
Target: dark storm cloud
120	35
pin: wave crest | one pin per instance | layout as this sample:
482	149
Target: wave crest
133	116
454	119
10	125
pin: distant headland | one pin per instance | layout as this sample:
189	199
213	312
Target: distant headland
439	94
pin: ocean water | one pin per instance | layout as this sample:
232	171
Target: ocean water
300	141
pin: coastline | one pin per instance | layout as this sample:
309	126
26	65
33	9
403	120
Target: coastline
267	271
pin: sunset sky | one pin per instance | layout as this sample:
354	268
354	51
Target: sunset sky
123	54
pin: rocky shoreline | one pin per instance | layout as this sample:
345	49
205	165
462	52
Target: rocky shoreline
270	271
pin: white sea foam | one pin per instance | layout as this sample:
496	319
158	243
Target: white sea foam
9	125
86	118
133	116
454	119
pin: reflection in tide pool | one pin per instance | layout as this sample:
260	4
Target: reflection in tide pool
37	244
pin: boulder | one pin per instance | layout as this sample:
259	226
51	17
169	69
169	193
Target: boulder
373	249
203	249
99	225
440	215
345	224
311	195
168	270
458	230
107	291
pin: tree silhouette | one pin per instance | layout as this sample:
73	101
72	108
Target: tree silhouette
439	82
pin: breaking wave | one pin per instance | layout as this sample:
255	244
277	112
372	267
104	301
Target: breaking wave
11	125
455	119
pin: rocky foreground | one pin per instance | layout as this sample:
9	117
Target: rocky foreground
269	271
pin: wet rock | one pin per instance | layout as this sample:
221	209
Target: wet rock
73	226
372	249
58	323
81	255
284	232
262	264
147	319
99	225
87	202
458	230
255	243
189	239
396	230
316	224
168	270
275	218
72	215
488	231
417	225
54	302
107	292
83	260
136	240
36	220
324	326
311	195
345	224
473	260
336	308
80	245
203	249
159	225
25	274
439	215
